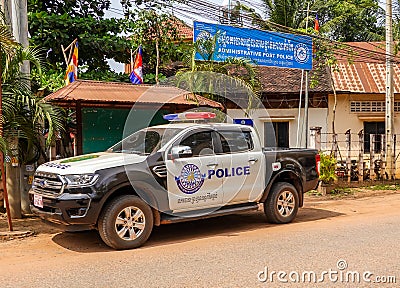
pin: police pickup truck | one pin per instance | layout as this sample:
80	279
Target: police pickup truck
171	173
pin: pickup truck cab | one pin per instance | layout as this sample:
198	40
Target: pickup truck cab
171	173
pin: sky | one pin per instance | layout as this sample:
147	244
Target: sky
117	5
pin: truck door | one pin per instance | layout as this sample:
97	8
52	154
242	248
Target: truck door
243	166
188	181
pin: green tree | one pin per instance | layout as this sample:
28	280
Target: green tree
340	20
56	23
81	8
157	32
351	20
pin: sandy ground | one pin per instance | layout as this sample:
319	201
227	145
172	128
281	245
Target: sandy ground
328	228
39	228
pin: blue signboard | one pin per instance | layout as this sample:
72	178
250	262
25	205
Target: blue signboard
246	121
263	47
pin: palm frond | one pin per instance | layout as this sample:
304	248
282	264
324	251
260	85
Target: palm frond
7	41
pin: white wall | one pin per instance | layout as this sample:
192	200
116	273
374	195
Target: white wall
317	117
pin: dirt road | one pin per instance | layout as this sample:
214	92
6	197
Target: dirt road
351	235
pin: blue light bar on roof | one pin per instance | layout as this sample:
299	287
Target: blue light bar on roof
171	117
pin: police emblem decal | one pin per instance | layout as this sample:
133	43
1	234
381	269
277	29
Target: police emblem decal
190	180
301	53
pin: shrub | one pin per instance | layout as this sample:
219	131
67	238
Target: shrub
327	169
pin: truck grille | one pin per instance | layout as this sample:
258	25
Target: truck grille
47	183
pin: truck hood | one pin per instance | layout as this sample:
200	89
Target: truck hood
90	163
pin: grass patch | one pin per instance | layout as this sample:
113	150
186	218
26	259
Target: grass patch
342	191
384	187
314	193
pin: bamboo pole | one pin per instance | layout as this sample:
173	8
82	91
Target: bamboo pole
133	53
71	51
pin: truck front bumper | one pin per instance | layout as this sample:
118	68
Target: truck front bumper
73	212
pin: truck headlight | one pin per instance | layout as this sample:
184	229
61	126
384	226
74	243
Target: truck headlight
81	180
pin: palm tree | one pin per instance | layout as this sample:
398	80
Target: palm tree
23	115
24	111
209	78
289	13
7	48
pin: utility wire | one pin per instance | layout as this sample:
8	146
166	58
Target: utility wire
213	12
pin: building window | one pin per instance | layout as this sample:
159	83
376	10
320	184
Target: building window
377	128
276	134
371	106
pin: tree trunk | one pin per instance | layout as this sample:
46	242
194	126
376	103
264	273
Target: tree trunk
3	167
13	178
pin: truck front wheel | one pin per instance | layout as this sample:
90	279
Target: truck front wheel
126	222
282	203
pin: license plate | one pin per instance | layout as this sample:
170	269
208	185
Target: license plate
38	200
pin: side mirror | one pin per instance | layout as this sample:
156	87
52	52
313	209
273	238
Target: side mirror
181	152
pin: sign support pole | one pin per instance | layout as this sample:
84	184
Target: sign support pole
298	139
306	90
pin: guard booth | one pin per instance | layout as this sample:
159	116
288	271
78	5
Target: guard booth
103	127
100	111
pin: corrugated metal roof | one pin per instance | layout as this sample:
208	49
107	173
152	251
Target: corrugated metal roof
366	72
364	77
98	91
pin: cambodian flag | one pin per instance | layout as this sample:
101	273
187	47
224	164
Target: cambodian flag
72	69
316	23
137	71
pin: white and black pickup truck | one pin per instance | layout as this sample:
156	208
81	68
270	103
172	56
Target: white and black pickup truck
172	173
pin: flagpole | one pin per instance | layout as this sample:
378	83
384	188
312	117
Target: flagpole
133	53
71	50
131	61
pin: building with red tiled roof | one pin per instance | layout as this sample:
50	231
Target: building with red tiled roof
184	31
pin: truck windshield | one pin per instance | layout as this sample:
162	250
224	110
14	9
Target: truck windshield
145	141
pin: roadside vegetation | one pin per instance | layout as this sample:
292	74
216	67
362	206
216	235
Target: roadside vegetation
356	190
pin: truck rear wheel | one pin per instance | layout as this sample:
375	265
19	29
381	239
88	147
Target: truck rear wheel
126	222
282	203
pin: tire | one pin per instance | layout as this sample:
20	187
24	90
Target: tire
126	222
282	203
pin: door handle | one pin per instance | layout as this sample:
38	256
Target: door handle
254	160
213	165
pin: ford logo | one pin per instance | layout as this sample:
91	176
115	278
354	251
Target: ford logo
42	183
